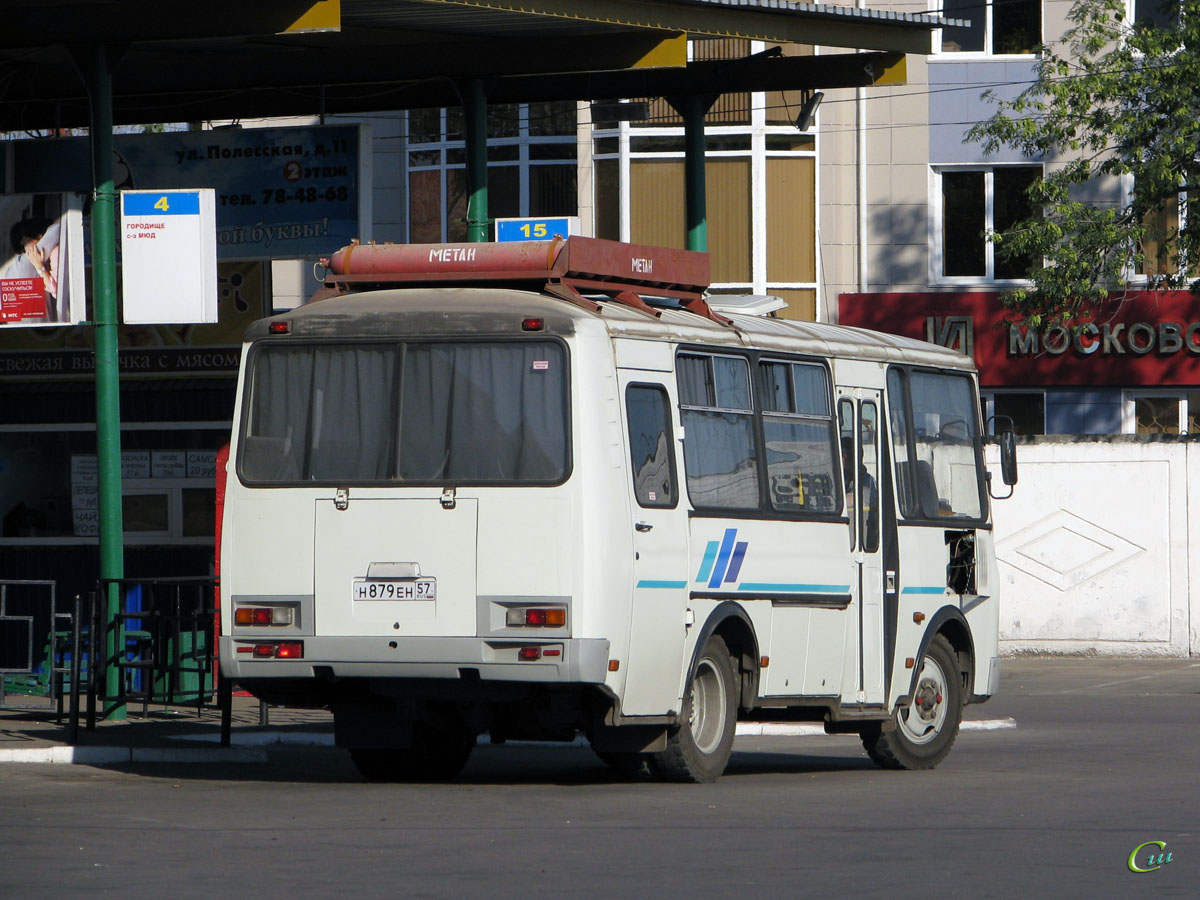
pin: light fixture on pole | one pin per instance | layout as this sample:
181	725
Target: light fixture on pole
812	99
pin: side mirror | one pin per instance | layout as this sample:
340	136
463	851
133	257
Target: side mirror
1008	457
1006	438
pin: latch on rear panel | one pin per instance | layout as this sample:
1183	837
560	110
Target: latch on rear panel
448	499
341	499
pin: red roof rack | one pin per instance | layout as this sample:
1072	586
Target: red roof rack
568	269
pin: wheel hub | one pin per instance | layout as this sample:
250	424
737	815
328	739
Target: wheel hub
927	699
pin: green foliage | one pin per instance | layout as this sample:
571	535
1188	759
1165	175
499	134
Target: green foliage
1111	100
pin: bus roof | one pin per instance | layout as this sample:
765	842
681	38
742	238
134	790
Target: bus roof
429	311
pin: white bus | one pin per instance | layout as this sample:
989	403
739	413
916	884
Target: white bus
488	488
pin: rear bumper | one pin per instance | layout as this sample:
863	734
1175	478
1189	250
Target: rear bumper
578	660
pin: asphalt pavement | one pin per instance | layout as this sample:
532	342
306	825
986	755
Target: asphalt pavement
1095	783
31	731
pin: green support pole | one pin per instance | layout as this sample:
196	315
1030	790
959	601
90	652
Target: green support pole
693	108
475	117
98	74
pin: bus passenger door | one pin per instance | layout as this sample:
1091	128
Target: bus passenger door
660	545
859	425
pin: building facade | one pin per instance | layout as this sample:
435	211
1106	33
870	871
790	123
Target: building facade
906	206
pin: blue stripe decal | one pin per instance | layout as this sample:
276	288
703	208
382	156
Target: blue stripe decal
794	588
662	584
710	554
923	590
718	574
735	564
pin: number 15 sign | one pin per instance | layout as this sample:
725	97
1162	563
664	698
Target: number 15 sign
168	257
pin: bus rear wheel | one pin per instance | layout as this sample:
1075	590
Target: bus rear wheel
698	750
925	728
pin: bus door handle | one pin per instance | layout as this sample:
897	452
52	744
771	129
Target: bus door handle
642	526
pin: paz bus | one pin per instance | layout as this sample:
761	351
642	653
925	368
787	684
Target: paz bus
540	490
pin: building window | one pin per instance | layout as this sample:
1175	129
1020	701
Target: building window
760	181
1156	13
1025	409
1160	250
971	204
998	27
1161	412
531	167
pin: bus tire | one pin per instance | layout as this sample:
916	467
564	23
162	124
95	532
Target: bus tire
435	755
926	727
698	749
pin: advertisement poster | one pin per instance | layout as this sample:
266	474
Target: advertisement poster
41	277
146	350
280	193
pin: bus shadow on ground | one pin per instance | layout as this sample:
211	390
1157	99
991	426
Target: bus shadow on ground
511	765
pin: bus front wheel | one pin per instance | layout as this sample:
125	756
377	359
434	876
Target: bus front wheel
699	748
925	728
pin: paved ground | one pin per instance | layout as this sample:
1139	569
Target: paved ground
1102	764
31	731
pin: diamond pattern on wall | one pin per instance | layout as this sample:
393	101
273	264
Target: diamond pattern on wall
1064	550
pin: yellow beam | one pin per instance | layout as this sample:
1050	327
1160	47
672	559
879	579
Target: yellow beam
323	15
671	51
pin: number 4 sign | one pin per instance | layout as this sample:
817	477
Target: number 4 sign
168	257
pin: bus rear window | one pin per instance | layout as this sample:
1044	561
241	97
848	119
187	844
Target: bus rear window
422	413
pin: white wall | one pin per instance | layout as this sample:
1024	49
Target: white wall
1095	545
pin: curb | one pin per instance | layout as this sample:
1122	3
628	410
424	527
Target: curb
811	729
110	756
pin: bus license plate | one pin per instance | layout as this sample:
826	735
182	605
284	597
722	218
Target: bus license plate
407	589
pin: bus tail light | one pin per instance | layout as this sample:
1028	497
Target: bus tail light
275	650
536	617
529	654
263	615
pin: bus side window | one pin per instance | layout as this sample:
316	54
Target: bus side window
897	410
651	456
846	433
868	464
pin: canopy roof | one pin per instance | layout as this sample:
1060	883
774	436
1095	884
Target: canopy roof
188	61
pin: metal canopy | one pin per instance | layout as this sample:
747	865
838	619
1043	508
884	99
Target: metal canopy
184	61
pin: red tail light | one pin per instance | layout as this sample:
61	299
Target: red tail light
275	650
529	654
290	650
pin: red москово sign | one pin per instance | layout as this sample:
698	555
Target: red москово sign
1152	338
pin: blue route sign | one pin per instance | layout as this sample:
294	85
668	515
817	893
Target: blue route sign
539	229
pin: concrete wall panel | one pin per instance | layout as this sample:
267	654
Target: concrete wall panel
1093	549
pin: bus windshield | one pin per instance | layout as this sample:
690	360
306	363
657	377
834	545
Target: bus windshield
413	412
937	446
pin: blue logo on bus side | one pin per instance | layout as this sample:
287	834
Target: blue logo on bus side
722	562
